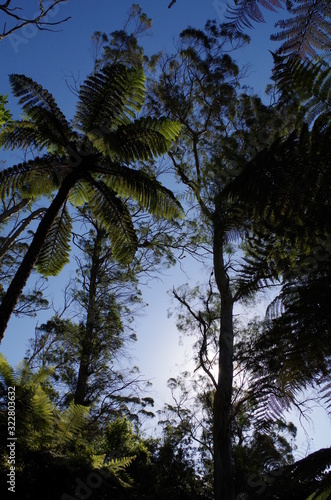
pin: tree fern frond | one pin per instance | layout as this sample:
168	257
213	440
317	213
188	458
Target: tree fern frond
140	140
275	309
42	409
305	34
247	11
118	464
325	393
32	379
72	422
284	178
7	374
40	106
22	134
56	248
308	478
115	218
78	194
110	98
311	81
149	193
32	178
308	31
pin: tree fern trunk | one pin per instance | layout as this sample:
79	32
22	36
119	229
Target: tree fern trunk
223	470
88	340
15	288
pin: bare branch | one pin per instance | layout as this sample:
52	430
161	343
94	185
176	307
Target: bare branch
39	19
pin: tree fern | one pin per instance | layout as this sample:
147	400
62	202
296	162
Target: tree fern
7	375
41	431
80	165
308	478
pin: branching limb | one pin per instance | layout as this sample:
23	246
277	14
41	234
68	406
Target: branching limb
39	19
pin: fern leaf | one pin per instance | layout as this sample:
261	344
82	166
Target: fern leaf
78	194
308	31
40	106
30	179
22	134
142	139
7	374
42	410
71	423
118	464
56	249
115	218
110	98
309	80
150	194
247	11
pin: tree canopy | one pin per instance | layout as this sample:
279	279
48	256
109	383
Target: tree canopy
251	214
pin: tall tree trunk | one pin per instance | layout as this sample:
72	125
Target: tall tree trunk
88	340
223	469
15	288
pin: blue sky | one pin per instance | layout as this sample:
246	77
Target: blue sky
51	58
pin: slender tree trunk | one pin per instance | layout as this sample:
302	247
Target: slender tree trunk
88	340
10	240
15	288
223	469
13	210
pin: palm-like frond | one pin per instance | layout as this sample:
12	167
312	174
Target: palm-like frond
78	195
305	34
310	81
7	374
140	140
292	351
71	423
5	115
308	478
150	194
56	248
27	378
284	182
22	134
40	107
308	31
118	464
43	413
115	218
247	11
32	178
110	98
